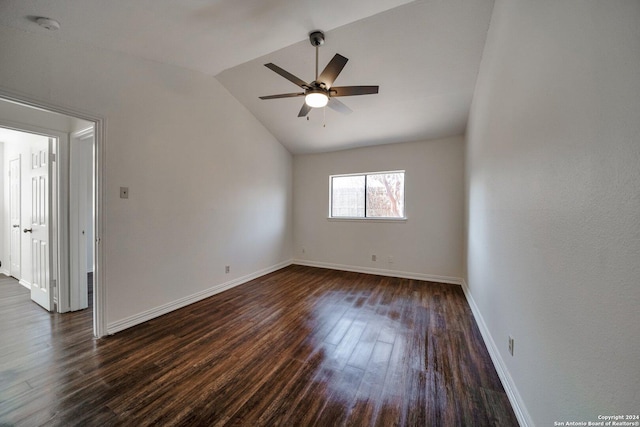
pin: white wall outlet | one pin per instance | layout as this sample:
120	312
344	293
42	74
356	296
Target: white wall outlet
390	259
227	268
374	258
304	250
511	345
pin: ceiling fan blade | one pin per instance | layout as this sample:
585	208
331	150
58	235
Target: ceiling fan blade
353	90
339	106
282	95
331	71
287	75
304	110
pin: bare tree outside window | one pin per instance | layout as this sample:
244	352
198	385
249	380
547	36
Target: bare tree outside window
385	195
371	195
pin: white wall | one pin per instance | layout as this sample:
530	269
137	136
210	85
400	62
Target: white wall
209	186
89	155
4	215
428	245
553	177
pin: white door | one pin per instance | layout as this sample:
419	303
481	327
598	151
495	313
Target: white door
14	214
41	289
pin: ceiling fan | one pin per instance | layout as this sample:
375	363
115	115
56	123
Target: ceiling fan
321	91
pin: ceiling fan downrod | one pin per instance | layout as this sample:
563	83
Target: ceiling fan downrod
316	38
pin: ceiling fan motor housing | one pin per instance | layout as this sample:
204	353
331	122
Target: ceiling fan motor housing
316	38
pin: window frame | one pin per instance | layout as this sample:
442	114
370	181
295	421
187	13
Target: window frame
366	218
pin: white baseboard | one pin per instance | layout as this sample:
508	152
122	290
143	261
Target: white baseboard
503	373
145	316
5	271
25	284
381	272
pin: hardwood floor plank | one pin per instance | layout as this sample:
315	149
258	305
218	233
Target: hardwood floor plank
299	346
288	400
365	408
341	397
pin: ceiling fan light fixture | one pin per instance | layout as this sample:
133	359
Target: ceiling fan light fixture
316	99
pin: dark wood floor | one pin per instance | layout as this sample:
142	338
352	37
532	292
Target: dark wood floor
298	347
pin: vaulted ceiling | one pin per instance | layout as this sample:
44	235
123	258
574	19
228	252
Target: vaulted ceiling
424	55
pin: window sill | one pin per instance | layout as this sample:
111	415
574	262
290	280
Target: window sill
358	219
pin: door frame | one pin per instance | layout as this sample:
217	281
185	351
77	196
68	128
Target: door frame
79	143
99	294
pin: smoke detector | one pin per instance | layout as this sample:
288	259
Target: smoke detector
48	23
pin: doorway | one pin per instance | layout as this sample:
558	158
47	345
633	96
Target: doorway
29	201
61	194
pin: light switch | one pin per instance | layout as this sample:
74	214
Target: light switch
124	192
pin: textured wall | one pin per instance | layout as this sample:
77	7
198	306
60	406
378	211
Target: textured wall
553	181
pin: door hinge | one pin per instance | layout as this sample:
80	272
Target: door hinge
52	156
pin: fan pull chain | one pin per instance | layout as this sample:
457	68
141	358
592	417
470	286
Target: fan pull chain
324	116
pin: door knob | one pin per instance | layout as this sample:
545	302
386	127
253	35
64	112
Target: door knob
28	230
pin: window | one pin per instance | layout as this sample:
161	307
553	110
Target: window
367	195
